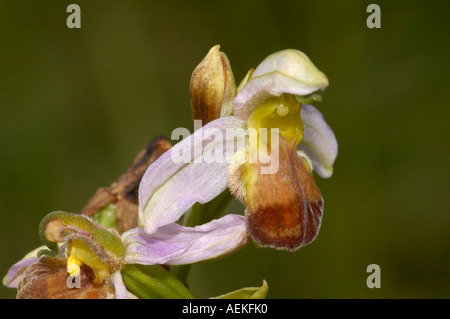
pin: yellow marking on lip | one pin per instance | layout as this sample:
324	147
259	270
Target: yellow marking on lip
281	112
79	254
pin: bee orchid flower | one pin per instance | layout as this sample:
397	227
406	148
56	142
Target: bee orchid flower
270	115
103	254
114	258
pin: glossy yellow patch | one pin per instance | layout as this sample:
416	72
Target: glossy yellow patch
281	112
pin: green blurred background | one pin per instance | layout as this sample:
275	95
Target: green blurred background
76	106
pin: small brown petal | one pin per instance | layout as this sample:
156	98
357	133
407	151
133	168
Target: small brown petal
48	279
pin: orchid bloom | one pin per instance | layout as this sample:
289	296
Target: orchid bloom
283	207
106	253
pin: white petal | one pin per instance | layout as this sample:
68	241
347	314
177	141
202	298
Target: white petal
319	142
287	71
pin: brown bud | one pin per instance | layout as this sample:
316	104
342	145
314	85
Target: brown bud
212	87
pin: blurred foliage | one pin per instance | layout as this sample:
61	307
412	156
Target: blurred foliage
76	106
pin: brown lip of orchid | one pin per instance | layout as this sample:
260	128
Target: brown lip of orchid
283	208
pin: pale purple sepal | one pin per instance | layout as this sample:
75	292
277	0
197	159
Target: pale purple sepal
319	142
288	71
15	273
174	182
176	245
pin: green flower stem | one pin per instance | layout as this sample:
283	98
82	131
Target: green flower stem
204	213
199	215
106	216
181	272
153	282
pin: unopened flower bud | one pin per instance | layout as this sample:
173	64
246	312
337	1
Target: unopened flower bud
212	87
